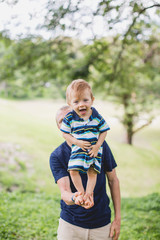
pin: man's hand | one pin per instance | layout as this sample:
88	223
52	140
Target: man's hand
115	229
84	145
94	150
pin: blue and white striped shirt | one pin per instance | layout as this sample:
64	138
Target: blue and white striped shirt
87	130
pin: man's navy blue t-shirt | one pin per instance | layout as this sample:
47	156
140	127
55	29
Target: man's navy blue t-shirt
100	214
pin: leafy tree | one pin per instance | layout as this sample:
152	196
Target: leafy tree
32	64
125	65
136	87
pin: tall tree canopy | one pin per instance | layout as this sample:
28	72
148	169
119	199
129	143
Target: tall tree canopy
120	56
126	62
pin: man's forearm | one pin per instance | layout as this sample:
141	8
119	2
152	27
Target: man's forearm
115	194
66	193
68	197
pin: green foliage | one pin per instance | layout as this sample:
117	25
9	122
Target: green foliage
131	80
124	66
140	218
80	15
35	216
29	204
28	216
29	134
33	67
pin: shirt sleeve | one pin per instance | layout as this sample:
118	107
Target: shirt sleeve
103	126
57	168
108	158
65	126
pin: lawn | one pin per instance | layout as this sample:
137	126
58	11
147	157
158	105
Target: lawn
30	198
31	216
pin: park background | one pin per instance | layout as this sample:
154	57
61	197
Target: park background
115	46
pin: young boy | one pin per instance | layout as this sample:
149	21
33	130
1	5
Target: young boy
85	128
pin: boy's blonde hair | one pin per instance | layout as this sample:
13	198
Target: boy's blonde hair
78	86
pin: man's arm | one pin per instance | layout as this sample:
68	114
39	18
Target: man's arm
115	194
66	194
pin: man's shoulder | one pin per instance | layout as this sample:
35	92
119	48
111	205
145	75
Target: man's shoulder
60	149
108	158
105	145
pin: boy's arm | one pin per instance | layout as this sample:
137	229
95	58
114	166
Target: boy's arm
80	143
69	138
101	139
95	148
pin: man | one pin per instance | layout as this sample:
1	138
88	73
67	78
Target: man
77	221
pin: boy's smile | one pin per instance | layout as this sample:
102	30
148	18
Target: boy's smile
82	111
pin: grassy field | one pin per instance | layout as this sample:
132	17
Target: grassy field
31	216
29	201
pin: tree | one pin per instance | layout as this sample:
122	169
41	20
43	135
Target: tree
31	64
134	85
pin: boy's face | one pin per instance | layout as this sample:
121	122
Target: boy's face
81	103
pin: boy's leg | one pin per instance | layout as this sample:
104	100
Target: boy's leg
92	178
77	181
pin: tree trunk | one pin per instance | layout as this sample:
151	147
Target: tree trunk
129	137
128	123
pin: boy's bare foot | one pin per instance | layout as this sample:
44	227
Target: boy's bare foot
88	200
79	199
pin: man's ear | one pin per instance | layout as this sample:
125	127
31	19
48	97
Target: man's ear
93	99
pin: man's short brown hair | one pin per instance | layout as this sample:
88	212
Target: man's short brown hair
62	110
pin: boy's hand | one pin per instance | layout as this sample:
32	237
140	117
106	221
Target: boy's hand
94	151
84	145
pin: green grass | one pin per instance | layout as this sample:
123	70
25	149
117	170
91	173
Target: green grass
138	170
29	200
33	127
31	124
28	216
141	218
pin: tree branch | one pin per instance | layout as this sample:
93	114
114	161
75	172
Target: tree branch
144	125
119	57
